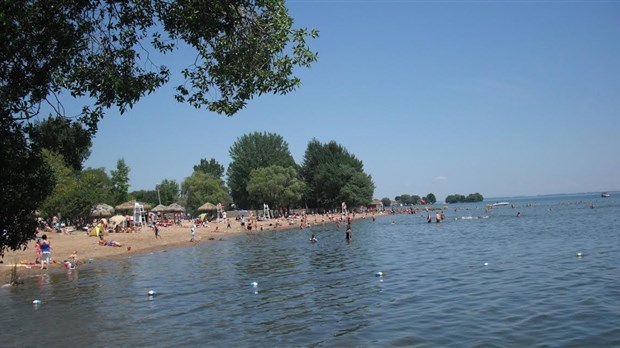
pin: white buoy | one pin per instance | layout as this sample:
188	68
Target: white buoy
254	284
379	274
152	293
580	255
36	302
486	263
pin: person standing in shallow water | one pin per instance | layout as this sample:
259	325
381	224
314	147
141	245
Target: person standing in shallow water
46	251
348	233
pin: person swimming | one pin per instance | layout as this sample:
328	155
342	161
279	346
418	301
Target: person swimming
313	239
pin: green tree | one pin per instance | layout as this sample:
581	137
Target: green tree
326	169
455	198
145	196
120	182
276	186
406	199
104	54
65	183
65	137
357	190
25	181
253	151
430	198
386	201
212	167
93	186
200	188
168	191
99	49
474	197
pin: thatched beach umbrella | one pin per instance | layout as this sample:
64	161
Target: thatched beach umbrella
131	204
102	210
159	208
175	208
207	207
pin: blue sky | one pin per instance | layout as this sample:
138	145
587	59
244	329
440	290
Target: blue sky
502	98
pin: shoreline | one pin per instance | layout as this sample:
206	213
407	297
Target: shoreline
141	242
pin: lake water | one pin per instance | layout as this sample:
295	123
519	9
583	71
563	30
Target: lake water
498	281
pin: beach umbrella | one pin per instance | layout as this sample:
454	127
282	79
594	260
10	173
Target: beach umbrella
207	206
102	210
159	208
130	205
175	208
117	219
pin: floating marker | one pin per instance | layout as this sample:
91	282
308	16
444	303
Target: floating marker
379	274
36	302
254	284
580	255
152	292
486	263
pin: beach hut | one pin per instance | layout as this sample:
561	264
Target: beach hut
177	210
375	205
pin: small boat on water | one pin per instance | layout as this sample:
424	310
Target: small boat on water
605	194
500	204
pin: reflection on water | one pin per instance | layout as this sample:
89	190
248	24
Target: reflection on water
501	280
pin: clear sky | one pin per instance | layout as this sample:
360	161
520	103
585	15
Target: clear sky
504	98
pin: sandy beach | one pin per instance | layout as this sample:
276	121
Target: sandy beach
136	243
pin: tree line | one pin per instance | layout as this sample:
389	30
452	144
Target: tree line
262	170
407	199
472	197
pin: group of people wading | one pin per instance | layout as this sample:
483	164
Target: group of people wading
439	217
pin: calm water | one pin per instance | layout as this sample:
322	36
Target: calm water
437	290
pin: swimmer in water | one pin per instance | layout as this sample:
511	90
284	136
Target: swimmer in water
313	239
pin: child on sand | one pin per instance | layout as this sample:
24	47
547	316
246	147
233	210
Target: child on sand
37	248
